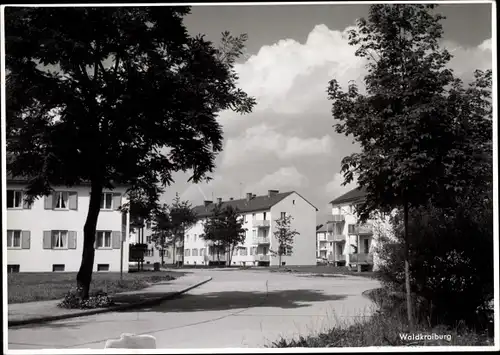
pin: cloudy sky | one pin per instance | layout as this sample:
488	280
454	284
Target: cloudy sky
288	142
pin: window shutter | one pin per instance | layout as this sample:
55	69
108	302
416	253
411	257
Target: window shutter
25	239
26	205
95	241
48	202
72	240
117	200
47	240
73	200
54	200
116	239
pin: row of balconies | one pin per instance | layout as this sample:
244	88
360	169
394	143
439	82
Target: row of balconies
255	241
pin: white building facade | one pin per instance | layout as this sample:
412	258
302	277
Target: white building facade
344	241
259	214
47	236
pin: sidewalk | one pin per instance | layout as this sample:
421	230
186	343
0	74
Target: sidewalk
45	311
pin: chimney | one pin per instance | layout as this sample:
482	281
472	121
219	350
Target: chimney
206	203
219	200
249	196
272	192
230	198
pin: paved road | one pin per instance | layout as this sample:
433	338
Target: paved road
236	309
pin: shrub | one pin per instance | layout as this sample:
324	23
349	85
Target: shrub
451	261
97	299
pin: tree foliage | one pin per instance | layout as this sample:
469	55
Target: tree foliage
413	112
285	236
224	230
114	95
423	135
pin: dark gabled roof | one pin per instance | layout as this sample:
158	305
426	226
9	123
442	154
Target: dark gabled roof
257	203
354	195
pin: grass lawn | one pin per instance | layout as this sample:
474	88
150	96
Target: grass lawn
35	286
388	328
322	269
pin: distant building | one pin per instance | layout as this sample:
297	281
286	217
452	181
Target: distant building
48	235
352	244
153	254
259	213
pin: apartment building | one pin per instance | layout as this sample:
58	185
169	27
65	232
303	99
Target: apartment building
351	243
327	246
259	214
47	235
153	254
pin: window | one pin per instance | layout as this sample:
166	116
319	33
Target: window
148	225
61	200
254	233
195	252
194	238
57	267
351	228
288	251
59	239
187	252
293	202
103	239
253	251
149	252
148	239
283	215
253	216
264	216
107	201
202	252
14	199
12	268
243	251
102	267
13	239
244	218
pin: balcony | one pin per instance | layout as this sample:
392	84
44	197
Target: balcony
364	258
331	257
261	257
362	229
261	240
336	237
337	218
366	228
261	223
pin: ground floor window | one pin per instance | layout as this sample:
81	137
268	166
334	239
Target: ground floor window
13	239
103	239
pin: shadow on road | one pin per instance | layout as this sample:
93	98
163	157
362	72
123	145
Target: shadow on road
228	300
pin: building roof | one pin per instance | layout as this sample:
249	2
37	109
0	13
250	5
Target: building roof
323	227
354	195
257	203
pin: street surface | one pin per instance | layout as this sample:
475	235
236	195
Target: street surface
240	308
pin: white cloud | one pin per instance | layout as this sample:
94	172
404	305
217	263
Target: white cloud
334	188
263	141
284	178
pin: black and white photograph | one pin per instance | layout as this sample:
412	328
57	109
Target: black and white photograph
249	177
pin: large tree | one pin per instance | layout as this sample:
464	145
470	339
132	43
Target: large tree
224	230
408	122
114	95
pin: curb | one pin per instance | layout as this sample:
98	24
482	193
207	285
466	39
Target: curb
153	301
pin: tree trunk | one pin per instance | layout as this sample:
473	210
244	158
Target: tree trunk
84	276
409	307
